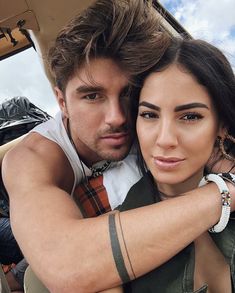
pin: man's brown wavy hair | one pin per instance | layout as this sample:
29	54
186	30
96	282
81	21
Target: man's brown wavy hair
127	31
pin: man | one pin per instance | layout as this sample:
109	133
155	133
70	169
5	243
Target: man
93	60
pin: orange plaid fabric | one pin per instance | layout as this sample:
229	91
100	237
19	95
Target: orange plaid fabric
92	197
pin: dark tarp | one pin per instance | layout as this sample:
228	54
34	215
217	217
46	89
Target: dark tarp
17	116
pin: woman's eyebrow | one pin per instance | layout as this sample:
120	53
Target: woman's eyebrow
149	105
177	108
190	106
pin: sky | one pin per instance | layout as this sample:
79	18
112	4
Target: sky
211	20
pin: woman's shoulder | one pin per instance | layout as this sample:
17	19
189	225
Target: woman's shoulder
141	194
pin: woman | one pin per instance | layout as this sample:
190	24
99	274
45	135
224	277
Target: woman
186	113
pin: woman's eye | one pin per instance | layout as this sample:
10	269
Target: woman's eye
148	115
191	117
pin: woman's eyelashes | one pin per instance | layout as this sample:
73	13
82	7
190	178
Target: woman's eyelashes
148	115
187	117
191	117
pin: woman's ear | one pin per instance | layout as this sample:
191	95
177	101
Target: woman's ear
222	132
218	162
61	101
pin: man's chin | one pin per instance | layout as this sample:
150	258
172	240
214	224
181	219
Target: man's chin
116	154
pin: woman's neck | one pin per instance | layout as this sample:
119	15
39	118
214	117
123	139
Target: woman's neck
168	191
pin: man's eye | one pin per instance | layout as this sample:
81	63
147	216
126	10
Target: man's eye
148	115
91	96
191	117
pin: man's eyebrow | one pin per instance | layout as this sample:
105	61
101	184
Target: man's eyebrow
190	106
149	105
88	88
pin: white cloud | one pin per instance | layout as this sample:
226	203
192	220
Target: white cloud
207	19
23	75
213	21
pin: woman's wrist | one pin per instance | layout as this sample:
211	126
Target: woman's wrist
230	181
220	180
231	188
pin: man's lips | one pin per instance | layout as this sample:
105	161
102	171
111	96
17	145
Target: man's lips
118	138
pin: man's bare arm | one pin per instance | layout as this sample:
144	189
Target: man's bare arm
7	146
71	254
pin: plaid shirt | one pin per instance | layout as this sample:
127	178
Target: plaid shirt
92	197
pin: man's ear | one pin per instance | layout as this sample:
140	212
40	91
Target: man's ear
61	101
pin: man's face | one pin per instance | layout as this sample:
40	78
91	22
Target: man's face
97	104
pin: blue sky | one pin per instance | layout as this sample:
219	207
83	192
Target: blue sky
211	20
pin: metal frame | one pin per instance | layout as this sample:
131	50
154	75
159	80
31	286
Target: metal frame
172	22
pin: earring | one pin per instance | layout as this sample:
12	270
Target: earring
222	146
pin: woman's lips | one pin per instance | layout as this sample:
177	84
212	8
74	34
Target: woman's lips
167	163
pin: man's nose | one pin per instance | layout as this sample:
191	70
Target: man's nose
116	115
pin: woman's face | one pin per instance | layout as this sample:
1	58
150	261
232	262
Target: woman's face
177	127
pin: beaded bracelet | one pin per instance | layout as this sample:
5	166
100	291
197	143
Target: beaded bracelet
228	177
226	199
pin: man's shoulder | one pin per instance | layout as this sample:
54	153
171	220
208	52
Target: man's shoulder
36	147
35	141
36	157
